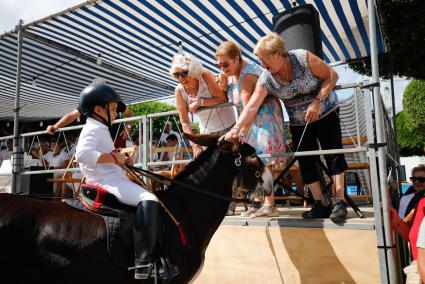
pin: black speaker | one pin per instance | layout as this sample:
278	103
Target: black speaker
35	184
300	29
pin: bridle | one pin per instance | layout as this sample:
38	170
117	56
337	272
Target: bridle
167	181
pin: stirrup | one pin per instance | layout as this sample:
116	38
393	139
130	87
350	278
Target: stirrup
146	268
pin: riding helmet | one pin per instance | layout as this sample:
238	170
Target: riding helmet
99	94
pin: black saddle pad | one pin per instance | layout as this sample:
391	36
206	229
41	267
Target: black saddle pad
119	225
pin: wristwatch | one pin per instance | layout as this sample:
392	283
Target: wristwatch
320	100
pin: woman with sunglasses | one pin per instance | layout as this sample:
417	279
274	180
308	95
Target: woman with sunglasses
304	82
407	222
198	88
418	181
266	133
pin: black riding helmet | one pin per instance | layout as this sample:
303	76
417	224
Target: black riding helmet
99	94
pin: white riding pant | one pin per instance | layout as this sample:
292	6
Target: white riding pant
126	191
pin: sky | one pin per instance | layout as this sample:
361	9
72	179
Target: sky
30	10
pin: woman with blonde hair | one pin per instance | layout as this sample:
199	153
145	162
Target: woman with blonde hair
304	82
266	132
198	88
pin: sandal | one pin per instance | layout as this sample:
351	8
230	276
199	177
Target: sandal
251	210
232	209
266	211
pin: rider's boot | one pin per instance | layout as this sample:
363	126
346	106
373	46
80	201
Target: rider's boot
145	235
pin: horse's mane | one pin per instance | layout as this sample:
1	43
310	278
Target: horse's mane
198	162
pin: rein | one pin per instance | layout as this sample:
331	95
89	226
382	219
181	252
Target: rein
167	181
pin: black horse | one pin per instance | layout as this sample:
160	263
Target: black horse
50	242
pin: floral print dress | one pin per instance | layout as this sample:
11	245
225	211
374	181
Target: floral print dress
266	134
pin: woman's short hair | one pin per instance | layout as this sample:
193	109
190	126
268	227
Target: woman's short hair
230	49
419	168
187	62
271	43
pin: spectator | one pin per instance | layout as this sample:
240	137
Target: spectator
408	226
418	173
168	129
198	88
171	141
6	152
57	159
71	141
264	135
304	82
42	152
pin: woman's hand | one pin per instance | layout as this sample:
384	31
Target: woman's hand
197	150
194	106
313	111
221	80
409	218
233	135
394	217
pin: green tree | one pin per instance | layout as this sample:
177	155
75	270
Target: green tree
158	122
411	121
403	25
411	142
414	104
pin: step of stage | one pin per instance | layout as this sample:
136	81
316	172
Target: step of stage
288	249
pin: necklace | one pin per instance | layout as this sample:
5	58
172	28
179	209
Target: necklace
192	88
286	76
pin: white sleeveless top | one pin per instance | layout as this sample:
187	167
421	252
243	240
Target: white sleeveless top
212	120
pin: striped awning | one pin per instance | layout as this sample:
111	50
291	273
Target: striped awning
134	42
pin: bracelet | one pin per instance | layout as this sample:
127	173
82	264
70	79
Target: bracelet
242	134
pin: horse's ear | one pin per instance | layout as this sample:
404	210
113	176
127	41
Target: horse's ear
202	139
228	146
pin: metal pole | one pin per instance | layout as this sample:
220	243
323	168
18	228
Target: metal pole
145	143
139	147
393	105
388	275
17	161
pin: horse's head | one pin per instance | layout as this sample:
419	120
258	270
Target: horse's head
252	174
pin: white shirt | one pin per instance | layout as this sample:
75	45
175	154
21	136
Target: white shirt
404	202
95	140
58	160
5	155
420	243
70	151
211	120
163	138
48	156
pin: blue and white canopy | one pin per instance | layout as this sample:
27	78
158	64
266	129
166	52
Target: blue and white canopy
135	41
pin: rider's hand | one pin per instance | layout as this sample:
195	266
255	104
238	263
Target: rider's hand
129	161
119	158
194	106
313	111
51	129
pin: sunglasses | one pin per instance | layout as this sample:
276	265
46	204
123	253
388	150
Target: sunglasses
419	179
223	65
182	74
